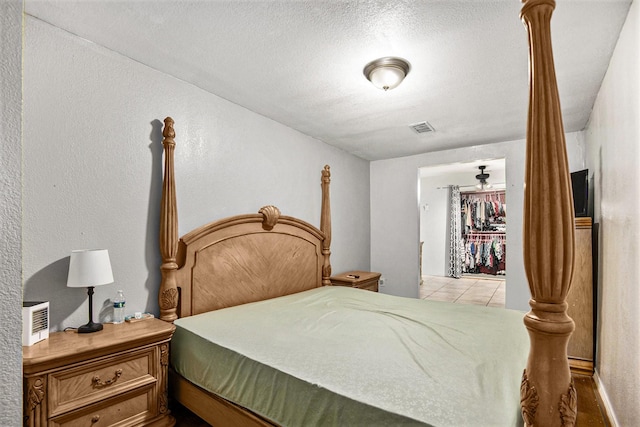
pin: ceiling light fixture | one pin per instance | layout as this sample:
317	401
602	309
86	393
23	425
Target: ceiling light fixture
386	73
482	177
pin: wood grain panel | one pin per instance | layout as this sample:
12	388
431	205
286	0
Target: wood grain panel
133	408
580	297
236	260
252	267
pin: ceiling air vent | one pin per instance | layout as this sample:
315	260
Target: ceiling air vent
422	127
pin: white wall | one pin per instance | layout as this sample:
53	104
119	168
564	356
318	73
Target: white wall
434	213
612	138
93	170
395	213
10	212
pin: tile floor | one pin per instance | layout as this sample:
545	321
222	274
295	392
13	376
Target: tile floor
466	290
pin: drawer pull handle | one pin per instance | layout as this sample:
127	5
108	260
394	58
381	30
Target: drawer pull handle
95	419
98	384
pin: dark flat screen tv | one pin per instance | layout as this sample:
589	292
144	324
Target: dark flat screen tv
580	186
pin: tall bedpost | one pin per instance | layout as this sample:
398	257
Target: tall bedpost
168	295
548	397
325	226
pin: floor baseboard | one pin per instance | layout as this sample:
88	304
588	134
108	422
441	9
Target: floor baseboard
604	401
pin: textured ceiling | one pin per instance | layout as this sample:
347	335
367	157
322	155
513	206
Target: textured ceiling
300	62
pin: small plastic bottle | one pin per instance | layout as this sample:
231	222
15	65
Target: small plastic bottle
118	307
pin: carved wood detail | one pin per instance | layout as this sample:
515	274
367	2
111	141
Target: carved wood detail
325	225
271	215
169	299
528	400
569	407
163	393
168	295
548	236
35	405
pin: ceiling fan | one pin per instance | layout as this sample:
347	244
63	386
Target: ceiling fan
482	178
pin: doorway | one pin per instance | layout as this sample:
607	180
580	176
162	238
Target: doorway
483	274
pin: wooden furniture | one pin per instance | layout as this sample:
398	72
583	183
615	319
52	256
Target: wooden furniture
580	300
357	279
115	376
256	257
266	262
245	258
548	397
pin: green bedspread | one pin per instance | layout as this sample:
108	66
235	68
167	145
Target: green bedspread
340	356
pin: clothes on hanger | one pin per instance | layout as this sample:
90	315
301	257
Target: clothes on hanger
485	253
483	212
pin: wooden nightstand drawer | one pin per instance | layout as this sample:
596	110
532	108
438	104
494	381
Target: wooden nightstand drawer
366	280
371	285
116	377
125	410
77	387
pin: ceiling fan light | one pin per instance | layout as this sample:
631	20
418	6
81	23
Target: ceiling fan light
386	73
482	179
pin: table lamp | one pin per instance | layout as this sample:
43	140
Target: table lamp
89	268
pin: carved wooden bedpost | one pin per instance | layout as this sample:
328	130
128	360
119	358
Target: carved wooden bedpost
168	295
547	394
325	226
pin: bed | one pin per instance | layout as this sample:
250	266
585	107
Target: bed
263	338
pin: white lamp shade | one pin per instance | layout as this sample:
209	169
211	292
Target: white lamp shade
89	268
386	77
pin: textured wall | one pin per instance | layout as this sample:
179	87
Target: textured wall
395	214
613	157
10	212
93	170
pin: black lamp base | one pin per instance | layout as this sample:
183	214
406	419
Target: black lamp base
90	327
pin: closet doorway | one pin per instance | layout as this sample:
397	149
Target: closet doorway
464	219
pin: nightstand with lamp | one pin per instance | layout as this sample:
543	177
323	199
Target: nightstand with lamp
117	376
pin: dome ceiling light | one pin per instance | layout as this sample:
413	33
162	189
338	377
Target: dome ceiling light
386	73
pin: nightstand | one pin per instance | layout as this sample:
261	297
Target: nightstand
115	376
357	279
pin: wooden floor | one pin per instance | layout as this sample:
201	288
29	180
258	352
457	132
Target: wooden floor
589	408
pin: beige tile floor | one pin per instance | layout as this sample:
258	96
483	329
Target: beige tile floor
466	290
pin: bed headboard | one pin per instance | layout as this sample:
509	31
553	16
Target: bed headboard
240	259
247	258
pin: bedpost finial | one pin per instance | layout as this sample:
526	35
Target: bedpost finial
168	131
527	5
326	173
270	216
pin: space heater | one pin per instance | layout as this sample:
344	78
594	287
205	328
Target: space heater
35	321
